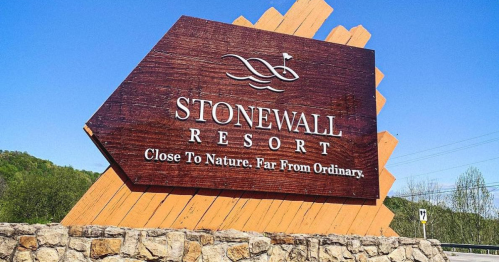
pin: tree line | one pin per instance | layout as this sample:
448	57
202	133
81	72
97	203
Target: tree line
464	214
33	190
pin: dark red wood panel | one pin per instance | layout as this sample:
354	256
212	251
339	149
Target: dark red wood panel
334	80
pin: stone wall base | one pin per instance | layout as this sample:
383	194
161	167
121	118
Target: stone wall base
54	242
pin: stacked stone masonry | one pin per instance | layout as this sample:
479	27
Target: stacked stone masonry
54	242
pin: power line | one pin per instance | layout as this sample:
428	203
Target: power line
443	153
453	143
451	168
495	184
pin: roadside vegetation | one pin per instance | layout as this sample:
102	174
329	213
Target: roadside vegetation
463	214
33	190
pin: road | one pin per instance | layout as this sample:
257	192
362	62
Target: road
458	257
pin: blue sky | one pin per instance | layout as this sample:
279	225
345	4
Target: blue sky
60	60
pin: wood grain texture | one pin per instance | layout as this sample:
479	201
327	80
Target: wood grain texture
339	35
238	210
175	204
309	217
242	21
170	207
360	36
140	114
273	208
378	76
246	211
386	144
292	210
381	222
300	215
270	20
380	101
95	199
219	210
314	19
263	213
145	207
284	212
229	204
390	233
196	208
121	204
295	16
363	220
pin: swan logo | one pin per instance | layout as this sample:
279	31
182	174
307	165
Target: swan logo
265	78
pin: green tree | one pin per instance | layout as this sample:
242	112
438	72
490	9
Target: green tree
37	191
473	204
463	215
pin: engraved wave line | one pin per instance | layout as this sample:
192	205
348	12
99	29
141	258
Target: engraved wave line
255	72
266	87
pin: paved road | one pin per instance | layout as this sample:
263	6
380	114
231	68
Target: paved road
471	257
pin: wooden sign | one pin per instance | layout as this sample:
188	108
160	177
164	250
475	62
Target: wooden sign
228	107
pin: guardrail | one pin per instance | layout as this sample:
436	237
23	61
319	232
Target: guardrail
470	247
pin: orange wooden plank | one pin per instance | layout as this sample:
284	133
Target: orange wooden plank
269	20
173	205
242	21
258	216
114	203
237	210
282	211
345	216
351	208
386	145
95	199
121	204
325	216
169	205
296	15
367	212
380	222
88	130
292	211
291	19
246	211
78	208
378	75
339	35
309	217
300	215
390	233
360	36
219	210
196	208
269	214
380	102
142	211
314	20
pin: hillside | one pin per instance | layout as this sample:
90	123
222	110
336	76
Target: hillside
33	190
443	223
